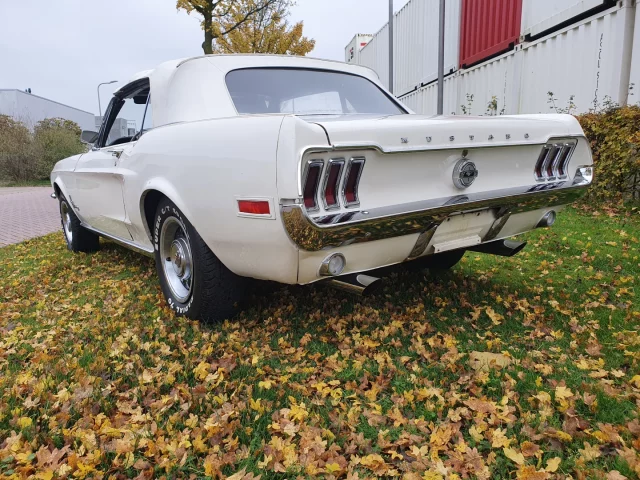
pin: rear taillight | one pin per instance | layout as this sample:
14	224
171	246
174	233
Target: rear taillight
551	158
311	184
332	183
354	170
563	160
332	186
540	162
553	161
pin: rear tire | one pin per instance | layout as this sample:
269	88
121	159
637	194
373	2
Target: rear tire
194	281
438	262
78	238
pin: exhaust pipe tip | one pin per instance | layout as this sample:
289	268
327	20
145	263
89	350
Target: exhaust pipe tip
547	220
357	284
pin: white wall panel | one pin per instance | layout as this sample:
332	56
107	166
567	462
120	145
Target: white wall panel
376	55
352	50
425	100
590	60
416	42
634	77
499	78
541	15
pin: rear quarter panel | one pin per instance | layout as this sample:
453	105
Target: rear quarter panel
203	167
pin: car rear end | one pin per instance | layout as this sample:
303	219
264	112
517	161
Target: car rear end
363	183
394	189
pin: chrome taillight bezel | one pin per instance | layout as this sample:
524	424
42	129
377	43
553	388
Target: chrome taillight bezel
553	161
352	161
340	162
311	164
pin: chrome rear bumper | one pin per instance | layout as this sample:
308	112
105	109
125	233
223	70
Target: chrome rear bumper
315	234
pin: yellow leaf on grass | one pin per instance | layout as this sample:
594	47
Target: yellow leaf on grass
562	393
431	475
238	475
499	439
201	371
266	384
590	452
476	434
299	412
46	475
513	455
635	381
552	465
24	422
495	317
370	343
485	361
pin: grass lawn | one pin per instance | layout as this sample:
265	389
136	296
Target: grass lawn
522	368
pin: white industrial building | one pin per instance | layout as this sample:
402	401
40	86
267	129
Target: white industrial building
30	109
586	52
121	128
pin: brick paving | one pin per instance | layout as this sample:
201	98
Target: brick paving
27	212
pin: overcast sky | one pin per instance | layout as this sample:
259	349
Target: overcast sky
63	49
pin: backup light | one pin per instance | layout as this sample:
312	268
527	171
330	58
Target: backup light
333	265
583	175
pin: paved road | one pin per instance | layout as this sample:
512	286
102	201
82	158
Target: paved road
27	213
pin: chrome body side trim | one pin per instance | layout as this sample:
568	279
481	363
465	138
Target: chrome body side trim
124	243
419	217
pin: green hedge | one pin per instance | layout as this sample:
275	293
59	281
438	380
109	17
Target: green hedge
26	156
614	135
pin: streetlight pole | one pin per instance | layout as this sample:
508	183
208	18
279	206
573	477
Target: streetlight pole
391	66
441	60
99	85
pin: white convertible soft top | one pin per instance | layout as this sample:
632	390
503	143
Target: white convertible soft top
191	89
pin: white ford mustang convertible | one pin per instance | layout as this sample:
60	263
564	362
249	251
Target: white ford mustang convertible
298	170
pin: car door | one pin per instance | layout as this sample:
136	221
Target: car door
98	189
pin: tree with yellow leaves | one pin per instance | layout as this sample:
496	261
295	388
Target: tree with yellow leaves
248	26
267	31
221	17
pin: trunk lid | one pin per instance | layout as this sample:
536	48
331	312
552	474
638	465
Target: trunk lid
415	132
413	158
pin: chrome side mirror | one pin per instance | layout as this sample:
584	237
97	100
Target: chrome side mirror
89	137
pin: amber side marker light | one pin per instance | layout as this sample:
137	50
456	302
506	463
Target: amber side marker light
254	207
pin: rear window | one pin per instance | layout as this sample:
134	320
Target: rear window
306	92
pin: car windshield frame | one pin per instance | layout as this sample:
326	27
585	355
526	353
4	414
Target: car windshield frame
271	96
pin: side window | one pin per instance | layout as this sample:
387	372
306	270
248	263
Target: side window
127	121
126	114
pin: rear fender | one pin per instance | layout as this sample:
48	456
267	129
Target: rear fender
167	189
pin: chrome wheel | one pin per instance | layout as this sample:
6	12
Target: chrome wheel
66	221
177	261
